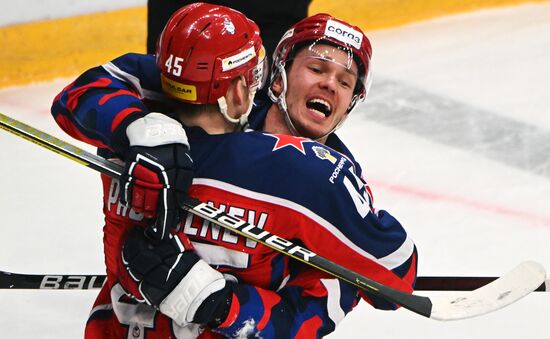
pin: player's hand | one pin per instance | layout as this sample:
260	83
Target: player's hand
158	172
170	275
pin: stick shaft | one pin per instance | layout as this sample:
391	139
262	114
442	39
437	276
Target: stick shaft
418	304
9	280
501	292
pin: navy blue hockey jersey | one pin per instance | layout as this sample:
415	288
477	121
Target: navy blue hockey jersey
295	188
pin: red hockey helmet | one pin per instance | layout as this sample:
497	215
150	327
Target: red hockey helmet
203	47
324	28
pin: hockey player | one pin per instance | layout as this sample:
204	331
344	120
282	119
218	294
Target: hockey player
294	102
290	186
302	89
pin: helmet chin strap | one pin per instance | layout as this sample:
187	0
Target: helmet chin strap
281	103
243	119
281	99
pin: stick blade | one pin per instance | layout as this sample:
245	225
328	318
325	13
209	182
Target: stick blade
516	284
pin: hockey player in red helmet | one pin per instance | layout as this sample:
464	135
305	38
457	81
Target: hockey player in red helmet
321	70
211	62
198	70
252	175
199	64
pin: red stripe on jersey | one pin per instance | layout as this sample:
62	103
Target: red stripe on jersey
76	93
108	97
411	274
314	236
68	126
63	91
233	312
310	281
207	334
103	329
367	187
269	299
122	115
309	328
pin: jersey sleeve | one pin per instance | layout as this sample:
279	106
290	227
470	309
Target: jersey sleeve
100	103
330	210
310	305
369	242
334	142
312	197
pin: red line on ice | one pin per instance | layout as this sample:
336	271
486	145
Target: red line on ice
479	205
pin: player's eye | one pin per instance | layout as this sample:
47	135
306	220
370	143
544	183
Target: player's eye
315	69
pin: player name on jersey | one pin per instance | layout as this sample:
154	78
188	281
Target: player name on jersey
246	229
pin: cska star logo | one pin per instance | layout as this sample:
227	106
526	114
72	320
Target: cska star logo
289	140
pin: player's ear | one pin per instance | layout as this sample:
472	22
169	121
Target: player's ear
277	85
237	96
237	92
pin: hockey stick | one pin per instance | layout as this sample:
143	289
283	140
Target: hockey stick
511	287
452	283
9	280
21	281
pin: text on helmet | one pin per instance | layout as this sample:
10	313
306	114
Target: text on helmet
173	65
238	59
180	91
343	33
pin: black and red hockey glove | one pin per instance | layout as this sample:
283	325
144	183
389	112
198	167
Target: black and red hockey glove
158	172
172	277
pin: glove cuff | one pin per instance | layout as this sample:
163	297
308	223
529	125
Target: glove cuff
197	285
156	129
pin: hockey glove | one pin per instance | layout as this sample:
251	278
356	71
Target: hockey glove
173	278
158	172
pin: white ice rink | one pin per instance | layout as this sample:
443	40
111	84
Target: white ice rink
454	139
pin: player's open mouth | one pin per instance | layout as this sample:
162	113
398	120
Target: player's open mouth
319	105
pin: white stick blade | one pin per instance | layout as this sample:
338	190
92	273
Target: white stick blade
509	288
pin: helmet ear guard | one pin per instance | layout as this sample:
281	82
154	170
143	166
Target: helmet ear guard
203	47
